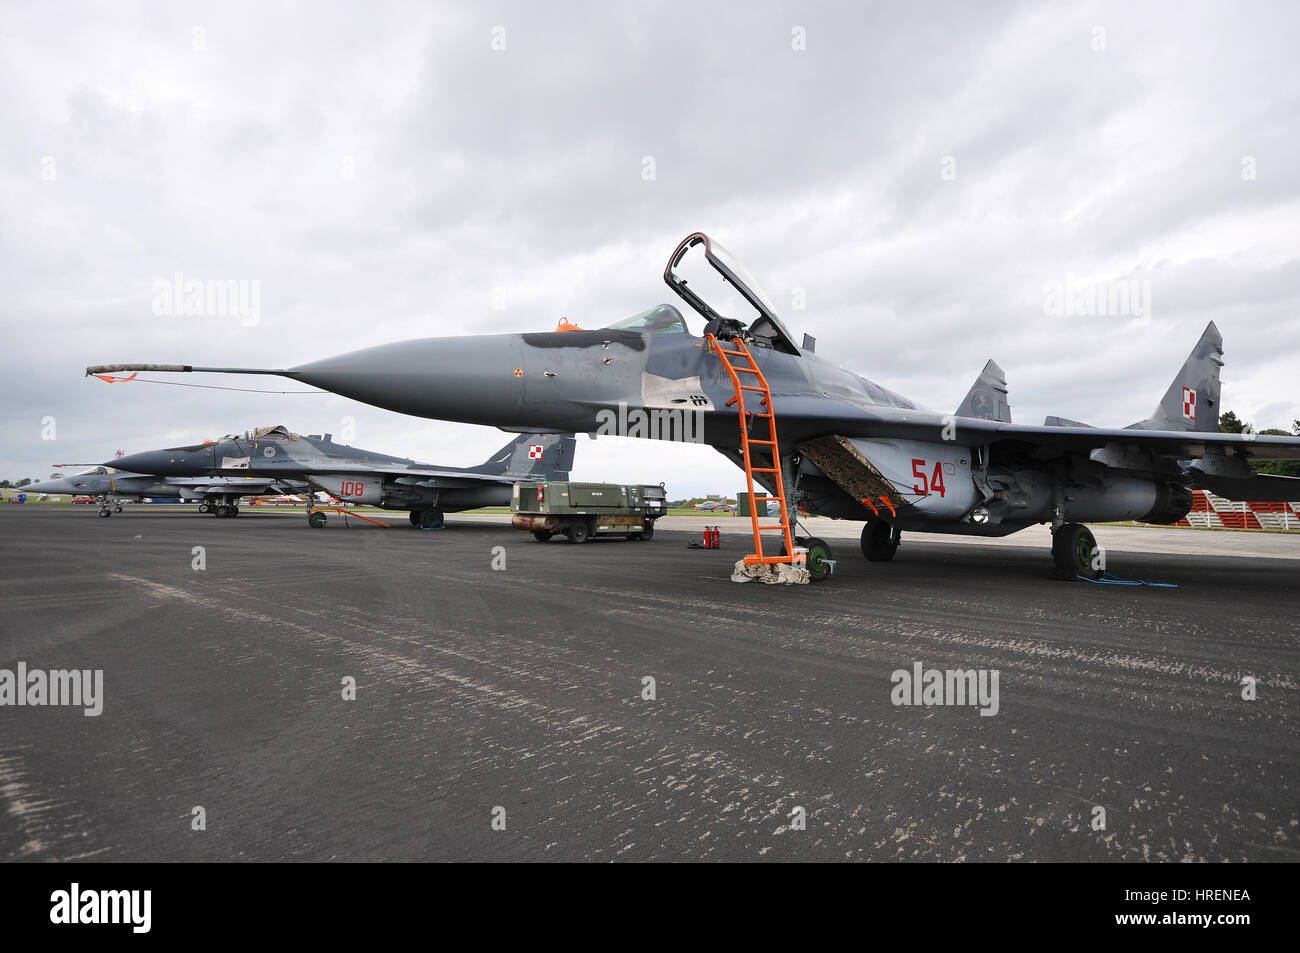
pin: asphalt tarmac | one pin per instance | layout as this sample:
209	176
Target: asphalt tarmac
518	695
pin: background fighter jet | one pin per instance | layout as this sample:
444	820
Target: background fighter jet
364	476
109	484
848	447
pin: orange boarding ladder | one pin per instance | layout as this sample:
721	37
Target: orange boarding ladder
757	384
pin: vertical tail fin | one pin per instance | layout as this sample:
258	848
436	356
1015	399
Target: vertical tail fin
987	399
534	455
1192	401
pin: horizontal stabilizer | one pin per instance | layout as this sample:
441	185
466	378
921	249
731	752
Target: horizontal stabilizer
1263	488
987	399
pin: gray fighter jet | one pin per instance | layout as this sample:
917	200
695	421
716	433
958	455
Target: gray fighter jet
848	448
110	484
353	475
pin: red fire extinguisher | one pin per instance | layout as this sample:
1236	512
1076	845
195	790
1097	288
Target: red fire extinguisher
716	537
708	537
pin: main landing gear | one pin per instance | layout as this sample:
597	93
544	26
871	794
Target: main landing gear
880	541
1075	552
223	510
427	519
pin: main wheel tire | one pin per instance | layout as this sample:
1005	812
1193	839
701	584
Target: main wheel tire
117	508
415	518
429	519
819	554
879	541
1074	550
541	535
316	520
105	512
578	532
234	510
222	510
203	507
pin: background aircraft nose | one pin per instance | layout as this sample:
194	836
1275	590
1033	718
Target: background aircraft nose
161	462
59	485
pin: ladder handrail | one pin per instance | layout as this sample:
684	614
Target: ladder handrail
742	350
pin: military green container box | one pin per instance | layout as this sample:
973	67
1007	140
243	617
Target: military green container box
582	510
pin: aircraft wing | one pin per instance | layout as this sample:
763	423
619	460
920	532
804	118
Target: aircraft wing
250	487
427	476
848	419
1213	461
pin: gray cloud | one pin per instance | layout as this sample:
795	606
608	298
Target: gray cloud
384	173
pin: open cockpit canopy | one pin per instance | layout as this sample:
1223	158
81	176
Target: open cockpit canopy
714	282
259	433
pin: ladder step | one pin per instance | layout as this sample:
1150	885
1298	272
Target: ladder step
763	469
756	440
752	387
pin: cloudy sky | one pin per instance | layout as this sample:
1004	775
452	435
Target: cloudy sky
909	181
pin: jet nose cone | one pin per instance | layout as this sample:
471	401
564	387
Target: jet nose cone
475	379
60	485
149	461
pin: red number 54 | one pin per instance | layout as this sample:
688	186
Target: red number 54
934	484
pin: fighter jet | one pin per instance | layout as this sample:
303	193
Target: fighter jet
364	476
845	447
110	484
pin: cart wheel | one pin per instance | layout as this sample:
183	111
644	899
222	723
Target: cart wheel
578	533
649	531
541	535
315	519
203	507
105	512
117	508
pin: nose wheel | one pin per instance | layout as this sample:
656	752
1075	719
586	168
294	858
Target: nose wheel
819	564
